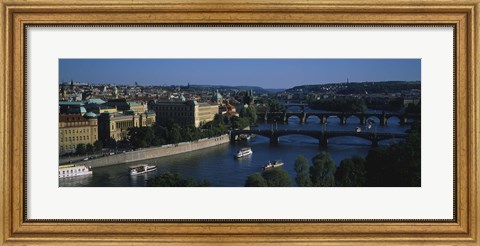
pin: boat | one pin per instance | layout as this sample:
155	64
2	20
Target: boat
142	168
73	170
273	164
243	152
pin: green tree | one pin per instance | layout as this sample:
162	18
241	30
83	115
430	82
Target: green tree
396	166
217	120
174	135
112	143
175	180
81	149
301	168
275	106
250	113
98	145
255	180
322	172
277	177
89	148
239	123
351	173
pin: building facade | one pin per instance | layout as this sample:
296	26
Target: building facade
184	113
76	129
116	125
206	113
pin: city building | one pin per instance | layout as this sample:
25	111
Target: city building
77	129
206	113
184	113
123	105
116	125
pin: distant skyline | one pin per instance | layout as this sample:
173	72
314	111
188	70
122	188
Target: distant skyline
266	73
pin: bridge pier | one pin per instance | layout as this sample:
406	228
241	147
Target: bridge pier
403	120
363	120
343	120
323	119
383	121
274	140
303	119
323	142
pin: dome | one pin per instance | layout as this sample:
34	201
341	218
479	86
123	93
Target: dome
182	98
216	96
90	115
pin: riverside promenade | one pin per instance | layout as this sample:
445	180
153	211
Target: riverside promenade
156	152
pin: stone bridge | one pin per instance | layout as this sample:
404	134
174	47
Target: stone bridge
363	117
322	136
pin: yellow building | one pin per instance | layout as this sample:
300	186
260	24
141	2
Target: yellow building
206	113
116	125
76	129
184	113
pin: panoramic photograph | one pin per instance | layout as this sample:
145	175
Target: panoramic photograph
239	123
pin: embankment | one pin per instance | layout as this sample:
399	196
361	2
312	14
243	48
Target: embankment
155	152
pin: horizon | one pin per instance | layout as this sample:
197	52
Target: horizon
265	73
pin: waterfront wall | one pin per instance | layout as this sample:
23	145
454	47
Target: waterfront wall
155	152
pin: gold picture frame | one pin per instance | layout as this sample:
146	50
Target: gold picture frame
17	14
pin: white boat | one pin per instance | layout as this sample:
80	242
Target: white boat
73	170
142	168
273	164
243	152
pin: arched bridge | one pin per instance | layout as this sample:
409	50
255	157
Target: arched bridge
363	117
322	136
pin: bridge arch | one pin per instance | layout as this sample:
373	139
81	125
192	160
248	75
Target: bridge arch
353	119
333	119
375	119
293	116
393	120
313	118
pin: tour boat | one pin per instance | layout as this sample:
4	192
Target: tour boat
243	152
272	164
142	168
73	170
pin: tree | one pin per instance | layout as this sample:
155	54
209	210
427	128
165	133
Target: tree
277	177
81	149
255	180
396	166
98	146
174	180
217	120
112	143
89	148
322	172
351	173
249	113
239	123
301	168
275	106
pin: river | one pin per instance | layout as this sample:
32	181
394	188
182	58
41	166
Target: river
217	165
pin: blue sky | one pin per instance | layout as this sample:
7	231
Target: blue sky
267	73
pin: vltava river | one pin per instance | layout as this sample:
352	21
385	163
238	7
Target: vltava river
218	166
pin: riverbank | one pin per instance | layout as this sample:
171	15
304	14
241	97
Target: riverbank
156	152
